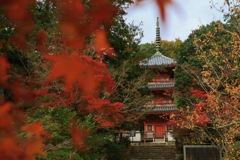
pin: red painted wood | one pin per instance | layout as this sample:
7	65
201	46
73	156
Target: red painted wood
161	97
160	129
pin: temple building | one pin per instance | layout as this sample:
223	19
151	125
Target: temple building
157	123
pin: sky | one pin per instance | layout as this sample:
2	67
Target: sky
182	18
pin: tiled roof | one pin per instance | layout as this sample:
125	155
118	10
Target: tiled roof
163	109
160	85
157	60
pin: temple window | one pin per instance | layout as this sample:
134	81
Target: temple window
149	128
167	101
169	127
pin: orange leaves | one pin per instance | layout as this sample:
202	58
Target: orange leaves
41	38
92	78
71	68
34	129
4	66
21	94
84	71
102	14
9	145
82	75
9	148
198	93
9	115
33	147
79	135
18	9
5	118
199	114
19	41
34	144
72	11
18	12
71	24
101	43
77	22
162	5
13	147
106	114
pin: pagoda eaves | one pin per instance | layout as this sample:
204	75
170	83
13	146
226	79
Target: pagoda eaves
157	60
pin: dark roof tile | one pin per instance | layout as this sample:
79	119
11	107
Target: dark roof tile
157	60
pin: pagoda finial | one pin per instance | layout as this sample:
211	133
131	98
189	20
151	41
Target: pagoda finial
158	38
157	22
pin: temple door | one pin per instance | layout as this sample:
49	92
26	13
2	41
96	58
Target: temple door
160	131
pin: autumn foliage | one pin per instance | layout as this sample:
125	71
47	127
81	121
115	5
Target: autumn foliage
73	80
213	110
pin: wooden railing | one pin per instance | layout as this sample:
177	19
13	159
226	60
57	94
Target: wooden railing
150	104
160	136
150	136
167	80
163	83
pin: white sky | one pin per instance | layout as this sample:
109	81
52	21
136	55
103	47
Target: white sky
188	15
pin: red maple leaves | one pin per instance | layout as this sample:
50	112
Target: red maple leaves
34	129
101	43
199	115
78	22
82	76
162	5
83	70
19	14
14	147
79	135
198	93
4	66
5	118
41	39
103	111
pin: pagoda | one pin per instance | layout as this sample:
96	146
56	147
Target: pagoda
157	124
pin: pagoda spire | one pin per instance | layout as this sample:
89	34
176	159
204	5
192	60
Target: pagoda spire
158	38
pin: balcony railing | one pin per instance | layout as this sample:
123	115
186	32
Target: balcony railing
158	104
163	109
167	107
163	80
162	83
150	136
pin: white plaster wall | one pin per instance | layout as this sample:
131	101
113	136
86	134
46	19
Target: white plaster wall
137	137
170	137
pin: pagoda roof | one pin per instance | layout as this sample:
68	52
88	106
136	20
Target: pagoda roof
157	60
